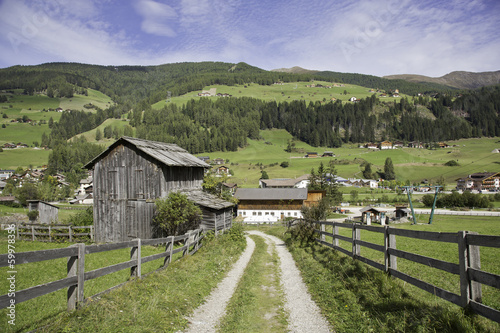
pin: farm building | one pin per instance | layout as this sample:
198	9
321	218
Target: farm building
270	204
131	174
47	213
371	214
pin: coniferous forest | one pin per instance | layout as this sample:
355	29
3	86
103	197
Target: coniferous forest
434	113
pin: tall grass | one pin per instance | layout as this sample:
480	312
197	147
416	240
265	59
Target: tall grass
355	297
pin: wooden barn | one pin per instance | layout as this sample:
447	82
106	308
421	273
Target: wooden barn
47	213
129	176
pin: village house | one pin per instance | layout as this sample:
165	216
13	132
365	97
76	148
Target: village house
371	145
270	204
397	144
222	170
415	144
299	182
385	145
218	161
352	99
132	173
328	154
480	181
371	214
311	155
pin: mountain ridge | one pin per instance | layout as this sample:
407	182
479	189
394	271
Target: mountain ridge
455	79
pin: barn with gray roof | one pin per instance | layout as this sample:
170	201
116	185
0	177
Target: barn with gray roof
131	174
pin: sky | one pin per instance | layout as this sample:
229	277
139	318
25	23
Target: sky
377	37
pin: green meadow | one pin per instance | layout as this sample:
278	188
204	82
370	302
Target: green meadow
37	108
284	93
473	155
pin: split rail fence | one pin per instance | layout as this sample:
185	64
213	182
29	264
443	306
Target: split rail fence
76	275
49	233
468	268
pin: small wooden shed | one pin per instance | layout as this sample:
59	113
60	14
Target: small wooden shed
129	176
217	214
371	214
47	213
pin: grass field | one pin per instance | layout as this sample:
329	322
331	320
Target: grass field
473	155
281	93
36	108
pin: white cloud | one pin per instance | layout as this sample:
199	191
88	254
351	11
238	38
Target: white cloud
157	17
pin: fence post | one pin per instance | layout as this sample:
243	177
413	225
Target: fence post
356	235
323	229
69	233
468	256
390	261
50	234
91	232
169	248
186	243
76	267
135	254
33	233
335	231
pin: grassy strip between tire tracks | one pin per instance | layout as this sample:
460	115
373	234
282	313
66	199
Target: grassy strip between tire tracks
257	304
159	302
357	298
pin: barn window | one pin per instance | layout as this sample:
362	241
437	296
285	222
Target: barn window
260	214
295	214
272	213
254	213
267	213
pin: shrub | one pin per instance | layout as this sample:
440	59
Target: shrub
85	217
32	215
175	215
284	164
452	163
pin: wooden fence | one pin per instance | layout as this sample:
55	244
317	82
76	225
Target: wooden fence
468	268
48	233
76	275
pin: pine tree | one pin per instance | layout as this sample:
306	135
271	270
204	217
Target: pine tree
389	173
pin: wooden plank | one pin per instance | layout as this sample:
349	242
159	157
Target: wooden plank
448	237
33	292
325	223
324	243
344	251
427	261
372	246
154	257
371	228
108	247
444	294
343	225
371	262
485	311
483	277
109	269
155	241
344	238
483	240
41	255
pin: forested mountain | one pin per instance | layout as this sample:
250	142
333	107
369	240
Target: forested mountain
205	125
459	79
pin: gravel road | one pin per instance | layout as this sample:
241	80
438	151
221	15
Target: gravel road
304	314
207	316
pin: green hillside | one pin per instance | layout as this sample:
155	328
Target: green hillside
473	155
285	92
39	109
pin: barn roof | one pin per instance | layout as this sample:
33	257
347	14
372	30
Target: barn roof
271	193
166	153
207	200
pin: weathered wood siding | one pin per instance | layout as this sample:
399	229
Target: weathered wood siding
213	219
126	183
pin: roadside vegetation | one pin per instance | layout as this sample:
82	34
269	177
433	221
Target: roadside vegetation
357	298
157	302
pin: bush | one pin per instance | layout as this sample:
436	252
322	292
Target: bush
32	215
82	218
175	215
284	164
452	163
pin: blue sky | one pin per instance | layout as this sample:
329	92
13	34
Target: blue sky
371	37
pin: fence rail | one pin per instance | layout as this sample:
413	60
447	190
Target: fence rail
48	233
468	268
76	275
